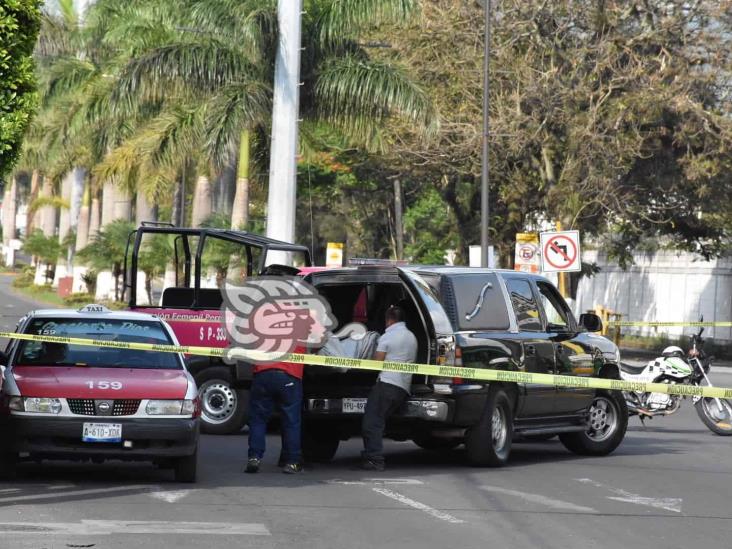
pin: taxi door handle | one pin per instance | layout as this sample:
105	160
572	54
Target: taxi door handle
530	350
560	349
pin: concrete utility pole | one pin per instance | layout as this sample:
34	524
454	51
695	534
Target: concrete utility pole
485	186
398	224
283	164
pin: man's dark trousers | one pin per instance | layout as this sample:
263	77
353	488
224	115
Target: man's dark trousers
270	388
384	399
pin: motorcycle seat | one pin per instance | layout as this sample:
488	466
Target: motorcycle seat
632	370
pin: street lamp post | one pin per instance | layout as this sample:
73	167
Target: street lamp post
484	184
282	195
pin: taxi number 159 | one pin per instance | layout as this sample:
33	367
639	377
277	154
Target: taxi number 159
114	385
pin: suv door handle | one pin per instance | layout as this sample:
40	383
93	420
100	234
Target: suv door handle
530	350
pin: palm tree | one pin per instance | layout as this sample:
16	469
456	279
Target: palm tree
221	53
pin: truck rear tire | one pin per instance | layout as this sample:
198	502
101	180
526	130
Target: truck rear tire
606	430
488	443
224	409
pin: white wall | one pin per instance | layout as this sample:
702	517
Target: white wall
666	286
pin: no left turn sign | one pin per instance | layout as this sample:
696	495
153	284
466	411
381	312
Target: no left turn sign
560	252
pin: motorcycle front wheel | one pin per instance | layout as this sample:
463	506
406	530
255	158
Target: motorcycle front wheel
717	417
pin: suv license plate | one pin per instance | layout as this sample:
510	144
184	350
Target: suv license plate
102	432
354	405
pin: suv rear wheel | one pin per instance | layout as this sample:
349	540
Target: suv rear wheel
488	443
607	424
223	408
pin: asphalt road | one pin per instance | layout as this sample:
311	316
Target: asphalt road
667	486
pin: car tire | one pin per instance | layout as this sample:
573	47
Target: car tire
8	466
185	468
608	423
428	442
319	446
224	409
488	443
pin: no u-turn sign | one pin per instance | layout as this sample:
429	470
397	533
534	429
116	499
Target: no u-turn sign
560	252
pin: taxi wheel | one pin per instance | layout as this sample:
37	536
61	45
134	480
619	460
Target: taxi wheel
185	468
223	408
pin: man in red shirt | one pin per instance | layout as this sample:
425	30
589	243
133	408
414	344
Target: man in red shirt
276	383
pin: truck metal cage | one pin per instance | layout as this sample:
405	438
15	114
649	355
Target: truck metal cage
191	244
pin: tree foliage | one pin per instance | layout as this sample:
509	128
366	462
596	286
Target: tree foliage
19	26
612	117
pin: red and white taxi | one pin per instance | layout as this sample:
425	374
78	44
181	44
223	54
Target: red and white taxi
66	401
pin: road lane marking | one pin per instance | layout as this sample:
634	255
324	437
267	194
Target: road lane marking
668	504
107	527
170	496
74	493
384	481
8	490
436	513
541	500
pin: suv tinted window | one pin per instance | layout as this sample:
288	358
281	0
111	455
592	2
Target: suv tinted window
524	305
556	311
479	302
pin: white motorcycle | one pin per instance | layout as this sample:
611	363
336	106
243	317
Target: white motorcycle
676	367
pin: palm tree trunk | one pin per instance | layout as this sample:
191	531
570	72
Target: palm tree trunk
5	208
82	228
240	210
144	210
202	204
48	213
122	204
108	198
32	219
177	214
9	210
64	222
95	215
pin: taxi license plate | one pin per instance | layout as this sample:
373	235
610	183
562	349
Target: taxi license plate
354	405
102	432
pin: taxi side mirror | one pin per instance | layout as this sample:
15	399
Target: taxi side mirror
590	322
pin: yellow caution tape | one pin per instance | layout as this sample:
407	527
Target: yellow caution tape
724	324
405	367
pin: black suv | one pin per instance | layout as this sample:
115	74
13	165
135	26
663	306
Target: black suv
477	318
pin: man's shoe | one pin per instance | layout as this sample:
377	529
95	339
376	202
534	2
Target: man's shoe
253	465
370	464
292	468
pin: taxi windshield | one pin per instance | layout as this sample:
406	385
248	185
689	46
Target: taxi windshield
40	353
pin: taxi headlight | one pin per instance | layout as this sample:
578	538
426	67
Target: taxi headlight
170	407
41	405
